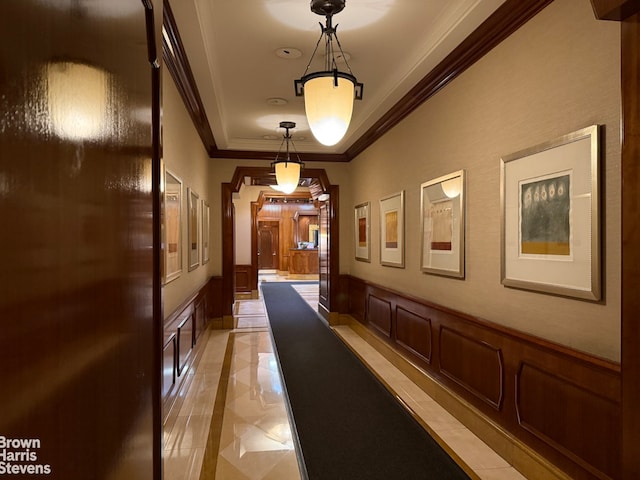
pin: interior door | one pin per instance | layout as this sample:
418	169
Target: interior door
79	325
268	245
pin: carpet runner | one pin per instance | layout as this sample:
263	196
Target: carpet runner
349	425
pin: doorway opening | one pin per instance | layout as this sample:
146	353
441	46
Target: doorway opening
324	198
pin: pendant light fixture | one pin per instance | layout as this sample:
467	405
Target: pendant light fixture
287	170
329	93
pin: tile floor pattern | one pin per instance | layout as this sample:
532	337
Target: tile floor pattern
256	441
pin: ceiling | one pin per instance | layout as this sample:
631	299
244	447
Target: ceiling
232	50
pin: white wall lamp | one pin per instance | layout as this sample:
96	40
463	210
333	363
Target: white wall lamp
287	170
329	94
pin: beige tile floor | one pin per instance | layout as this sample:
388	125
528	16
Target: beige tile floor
255	437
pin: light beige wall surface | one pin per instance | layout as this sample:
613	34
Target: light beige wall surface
185	156
557	74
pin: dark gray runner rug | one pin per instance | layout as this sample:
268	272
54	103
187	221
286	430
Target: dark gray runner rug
348	424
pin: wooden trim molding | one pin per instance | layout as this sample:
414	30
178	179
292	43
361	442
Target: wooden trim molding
615	9
321	184
502	23
181	346
175	58
630	54
539	392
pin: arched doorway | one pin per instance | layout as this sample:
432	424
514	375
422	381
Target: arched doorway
327	196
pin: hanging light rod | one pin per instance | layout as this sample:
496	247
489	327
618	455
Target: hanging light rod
329	93
287	170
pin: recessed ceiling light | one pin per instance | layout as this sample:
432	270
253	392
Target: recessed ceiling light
271	137
288	52
276	101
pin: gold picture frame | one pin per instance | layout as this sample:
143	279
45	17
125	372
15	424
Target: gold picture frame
550	216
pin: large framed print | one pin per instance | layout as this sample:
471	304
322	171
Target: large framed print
205	231
172	227
362	230
392	230
442	225
194	244
551	218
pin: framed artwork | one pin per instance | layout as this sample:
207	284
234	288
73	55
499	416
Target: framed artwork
551	218
392	230
362	229
205	231
442	225
194	246
172	227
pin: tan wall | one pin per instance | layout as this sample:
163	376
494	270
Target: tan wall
185	156
557	74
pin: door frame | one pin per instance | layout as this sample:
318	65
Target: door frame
320	185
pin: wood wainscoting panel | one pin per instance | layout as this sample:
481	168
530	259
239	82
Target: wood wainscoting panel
379	314
185	342
200	321
413	332
562	403
182	330
474	365
357	299
243	278
169	366
570	417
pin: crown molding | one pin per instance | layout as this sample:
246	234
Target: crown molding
500	25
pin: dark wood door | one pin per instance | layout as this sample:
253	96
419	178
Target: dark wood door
268	245
79	319
324	264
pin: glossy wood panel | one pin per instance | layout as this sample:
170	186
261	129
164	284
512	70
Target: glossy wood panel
482	362
379	314
574	419
200	318
413	332
79	347
244	278
630	54
169	367
475	365
303	262
183	327
185	342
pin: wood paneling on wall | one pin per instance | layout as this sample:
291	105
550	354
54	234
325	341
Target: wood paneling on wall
80	341
563	403
244	277
182	330
285	213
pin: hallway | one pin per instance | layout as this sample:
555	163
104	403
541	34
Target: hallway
248	435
